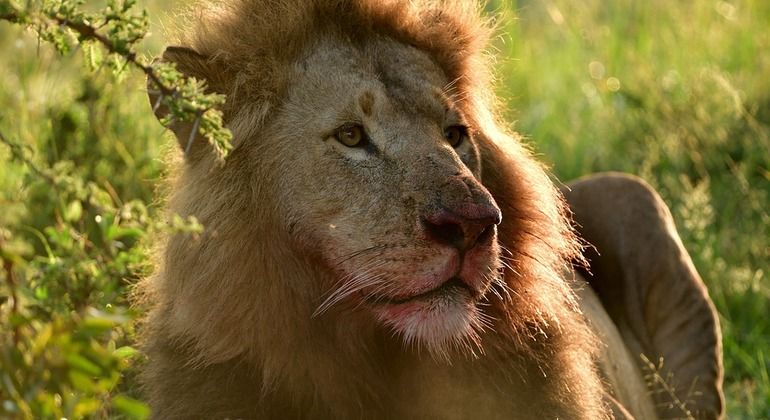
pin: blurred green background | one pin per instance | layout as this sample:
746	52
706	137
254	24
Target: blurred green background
676	92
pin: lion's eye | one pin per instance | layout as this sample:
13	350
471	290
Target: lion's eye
455	134
351	135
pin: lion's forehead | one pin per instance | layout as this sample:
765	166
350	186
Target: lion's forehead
382	75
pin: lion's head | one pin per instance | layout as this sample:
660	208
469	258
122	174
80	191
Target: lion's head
384	189
370	191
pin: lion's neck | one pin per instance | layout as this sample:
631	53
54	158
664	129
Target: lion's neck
383	379
336	365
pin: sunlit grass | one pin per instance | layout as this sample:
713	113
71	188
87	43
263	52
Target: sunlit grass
679	93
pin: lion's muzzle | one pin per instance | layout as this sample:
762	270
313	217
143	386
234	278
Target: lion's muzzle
462	216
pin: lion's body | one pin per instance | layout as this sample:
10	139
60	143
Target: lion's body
343	278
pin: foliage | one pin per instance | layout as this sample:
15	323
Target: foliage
674	92
69	321
115	30
71	251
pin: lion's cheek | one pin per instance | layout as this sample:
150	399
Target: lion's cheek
324	235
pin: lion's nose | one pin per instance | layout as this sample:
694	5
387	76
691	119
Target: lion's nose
463	226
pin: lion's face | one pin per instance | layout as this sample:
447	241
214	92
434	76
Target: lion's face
384	190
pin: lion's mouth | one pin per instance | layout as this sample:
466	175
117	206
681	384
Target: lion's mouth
452	287
439	318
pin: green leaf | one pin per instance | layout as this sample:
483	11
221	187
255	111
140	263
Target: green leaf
131	407
125	352
116	232
84	365
80	381
41	293
41	340
96	325
86	406
93	55
74	211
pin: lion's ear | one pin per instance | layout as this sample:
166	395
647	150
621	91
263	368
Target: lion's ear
192	64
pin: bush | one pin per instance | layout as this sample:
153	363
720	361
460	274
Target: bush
77	192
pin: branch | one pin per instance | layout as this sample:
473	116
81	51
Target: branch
17	152
90	33
186	97
10	277
10	17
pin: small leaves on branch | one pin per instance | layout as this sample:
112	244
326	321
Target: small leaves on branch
65	324
116	30
72	243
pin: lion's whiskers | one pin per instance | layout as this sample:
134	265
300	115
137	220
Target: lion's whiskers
355	254
341	288
351	284
415	334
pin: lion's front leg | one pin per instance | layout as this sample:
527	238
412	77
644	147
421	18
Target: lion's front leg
648	285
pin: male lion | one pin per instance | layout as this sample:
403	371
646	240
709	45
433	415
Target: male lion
377	246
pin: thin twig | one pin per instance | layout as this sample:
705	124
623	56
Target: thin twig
19	154
10	278
11	17
665	387
86	31
90	33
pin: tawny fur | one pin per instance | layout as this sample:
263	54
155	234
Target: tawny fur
232	332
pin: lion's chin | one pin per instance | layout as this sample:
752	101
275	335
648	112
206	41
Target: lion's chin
443	321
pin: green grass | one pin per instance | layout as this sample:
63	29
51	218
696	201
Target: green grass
676	92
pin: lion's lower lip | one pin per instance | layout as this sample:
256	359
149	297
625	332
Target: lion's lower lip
450	286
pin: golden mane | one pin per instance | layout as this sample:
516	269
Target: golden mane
253	70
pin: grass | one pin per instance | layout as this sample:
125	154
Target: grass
676	92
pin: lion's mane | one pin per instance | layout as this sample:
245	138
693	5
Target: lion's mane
221	299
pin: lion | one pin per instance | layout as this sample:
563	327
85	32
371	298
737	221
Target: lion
378	245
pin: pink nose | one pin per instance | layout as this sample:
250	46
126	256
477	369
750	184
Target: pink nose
463	226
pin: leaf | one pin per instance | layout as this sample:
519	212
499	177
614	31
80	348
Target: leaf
43	337
96	325
119	67
80	381
125	352
84	365
74	211
86	406
93	55
41	293
116	232
131	407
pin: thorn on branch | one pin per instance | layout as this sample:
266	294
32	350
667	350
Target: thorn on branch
193	132
157	103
